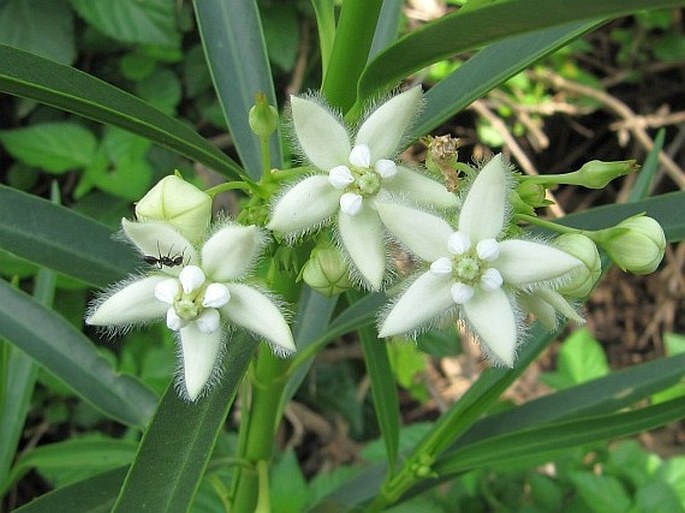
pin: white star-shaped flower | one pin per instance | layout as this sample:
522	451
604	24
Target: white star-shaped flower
351	175
197	293
472	272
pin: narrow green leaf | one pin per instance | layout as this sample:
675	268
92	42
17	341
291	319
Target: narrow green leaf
56	147
388	26
177	445
59	238
384	391
236	54
487	69
94	495
324	10
546	440
643	184
69	355
43	27
459	32
351	46
152	22
27	75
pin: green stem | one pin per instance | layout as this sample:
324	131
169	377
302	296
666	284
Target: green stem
555	227
257	431
573	178
228	186
266	158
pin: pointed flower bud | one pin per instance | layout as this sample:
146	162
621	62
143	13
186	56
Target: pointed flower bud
179	204
597	174
263	118
636	245
582	278
326	271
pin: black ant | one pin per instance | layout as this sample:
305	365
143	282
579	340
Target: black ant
167	260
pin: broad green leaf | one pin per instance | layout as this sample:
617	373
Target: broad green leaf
657	497
177	445
27	75
151	22
94	495
75	459
236	54
287	486
351	46
161	90
281	33
600	492
544	441
56	147
384	391
62	239
18	374
459	32
43	27
69	355
581	359
487	69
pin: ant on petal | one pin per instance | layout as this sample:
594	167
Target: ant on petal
167	260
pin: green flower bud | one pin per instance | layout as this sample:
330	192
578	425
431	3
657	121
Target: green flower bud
636	245
582	278
597	174
326	271
532	194
263	118
178	203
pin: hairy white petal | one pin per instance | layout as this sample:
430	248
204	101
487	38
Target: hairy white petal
191	277
200	357
522	262
461	293
321	135
208	321
427	298
458	243
168	290
304	206
231	251
487	249
351	203
216	295
559	303
158	239
363	239
419	189
541	309
491	279
173	321
422	233
254	311
482	215
492	317
132	304
442	266
385	168
360	156
384	128
340	177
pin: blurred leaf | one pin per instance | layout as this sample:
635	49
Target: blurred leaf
94	495
176	447
645	178
410	435
43	27
580	359
132	21
675	343
658	497
55	147
30	76
75	459
601	493
673	472
236	54
287	485
281	33
408	365
162	90
51	235
459	32
69	355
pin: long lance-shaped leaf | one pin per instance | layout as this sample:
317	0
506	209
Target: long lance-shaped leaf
94	495
487	69
69	355
178	443
545	441
459	32
236	54
29	76
61	239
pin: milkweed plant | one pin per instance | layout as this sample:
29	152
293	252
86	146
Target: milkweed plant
347	236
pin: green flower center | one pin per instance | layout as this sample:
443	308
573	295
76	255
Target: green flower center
366	181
